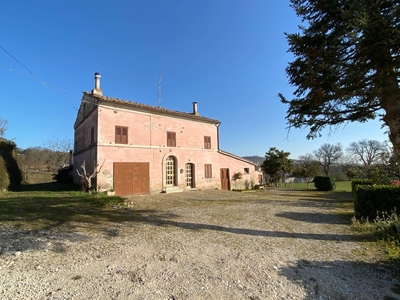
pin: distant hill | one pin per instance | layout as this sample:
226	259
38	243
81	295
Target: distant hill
255	158
260	159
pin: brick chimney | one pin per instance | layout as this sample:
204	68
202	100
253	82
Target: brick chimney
97	90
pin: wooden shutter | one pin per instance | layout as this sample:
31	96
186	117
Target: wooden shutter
171	139
118	135
124	135
207	171
207	142
121	135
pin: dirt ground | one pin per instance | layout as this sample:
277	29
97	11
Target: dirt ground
274	244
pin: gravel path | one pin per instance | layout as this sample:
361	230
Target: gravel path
277	244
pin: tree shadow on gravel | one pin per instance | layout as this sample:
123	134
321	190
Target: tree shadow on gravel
316	198
14	240
37	217
157	220
345	279
323	203
314	218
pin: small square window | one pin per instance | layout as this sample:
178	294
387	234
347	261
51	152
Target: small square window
246	170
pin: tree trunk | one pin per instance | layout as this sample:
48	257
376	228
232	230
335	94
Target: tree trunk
391	104
87	178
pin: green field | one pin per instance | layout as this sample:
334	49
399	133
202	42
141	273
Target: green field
341	186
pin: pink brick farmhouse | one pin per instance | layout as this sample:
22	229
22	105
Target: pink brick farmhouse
146	149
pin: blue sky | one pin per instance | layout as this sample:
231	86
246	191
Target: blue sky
227	55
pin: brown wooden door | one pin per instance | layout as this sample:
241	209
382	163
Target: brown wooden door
131	178
225	179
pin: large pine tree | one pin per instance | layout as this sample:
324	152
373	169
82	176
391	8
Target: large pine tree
347	65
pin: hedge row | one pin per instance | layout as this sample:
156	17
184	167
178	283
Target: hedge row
371	200
7	149
4	178
356	182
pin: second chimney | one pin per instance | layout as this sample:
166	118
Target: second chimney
195	112
97	90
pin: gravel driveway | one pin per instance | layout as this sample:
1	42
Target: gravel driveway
274	244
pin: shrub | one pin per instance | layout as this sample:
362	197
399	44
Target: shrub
4	178
379	173
237	176
64	175
395	182
323	183
371	202
7	152
387	230
357	182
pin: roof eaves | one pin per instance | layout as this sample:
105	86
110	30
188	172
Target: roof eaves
153	109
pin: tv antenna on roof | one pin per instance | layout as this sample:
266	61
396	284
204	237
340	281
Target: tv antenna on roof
159	89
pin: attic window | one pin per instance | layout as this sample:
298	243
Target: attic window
246	170
121	135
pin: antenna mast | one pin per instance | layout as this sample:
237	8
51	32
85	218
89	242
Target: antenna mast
159	89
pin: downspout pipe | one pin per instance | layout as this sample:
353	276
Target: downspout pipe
217	125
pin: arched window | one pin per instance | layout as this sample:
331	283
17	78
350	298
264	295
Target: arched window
170	165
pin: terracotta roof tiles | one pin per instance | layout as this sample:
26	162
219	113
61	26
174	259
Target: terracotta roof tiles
152	109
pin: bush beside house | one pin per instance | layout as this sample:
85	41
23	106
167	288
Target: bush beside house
4	178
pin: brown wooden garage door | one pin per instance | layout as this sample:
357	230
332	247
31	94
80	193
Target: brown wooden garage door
131	178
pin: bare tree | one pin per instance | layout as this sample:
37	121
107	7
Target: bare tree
327	155
387	155
34	158
87	177
367	151
3	126
60	148
347	160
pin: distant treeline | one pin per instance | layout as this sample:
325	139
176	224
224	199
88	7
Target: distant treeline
16	164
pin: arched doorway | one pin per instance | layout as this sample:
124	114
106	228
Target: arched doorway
170	171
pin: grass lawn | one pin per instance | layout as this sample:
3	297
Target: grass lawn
47	205
341	186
